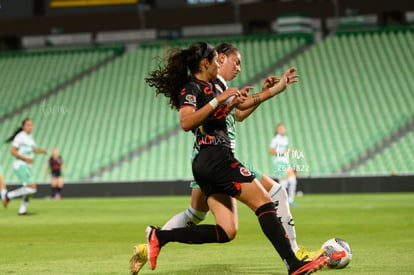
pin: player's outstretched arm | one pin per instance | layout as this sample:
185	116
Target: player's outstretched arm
286	80
271	87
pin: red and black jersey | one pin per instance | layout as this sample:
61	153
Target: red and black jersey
213	130
55	164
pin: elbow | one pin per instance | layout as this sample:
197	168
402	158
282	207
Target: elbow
240	118
185	127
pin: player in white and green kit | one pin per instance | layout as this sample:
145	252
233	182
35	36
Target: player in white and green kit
23	149
279	148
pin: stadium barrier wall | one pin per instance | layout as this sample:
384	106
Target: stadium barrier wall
372	184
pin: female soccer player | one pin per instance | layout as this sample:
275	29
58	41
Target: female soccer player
279	148
222	178
230	61
23	149
55	166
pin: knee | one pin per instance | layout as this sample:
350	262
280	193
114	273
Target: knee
226	234
231	232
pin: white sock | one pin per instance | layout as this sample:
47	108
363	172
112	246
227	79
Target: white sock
22	191
284	183
292	188
3	193
280	198
23	205
189	217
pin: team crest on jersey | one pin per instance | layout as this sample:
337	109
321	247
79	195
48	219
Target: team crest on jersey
245	172
191	99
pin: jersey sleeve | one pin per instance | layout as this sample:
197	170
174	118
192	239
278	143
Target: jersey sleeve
17	141
188	96
273	143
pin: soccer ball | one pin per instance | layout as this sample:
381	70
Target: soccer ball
339	253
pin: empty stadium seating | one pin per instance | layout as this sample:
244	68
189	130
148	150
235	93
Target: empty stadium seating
354	89
26	76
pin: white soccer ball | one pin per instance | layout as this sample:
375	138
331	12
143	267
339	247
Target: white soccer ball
339	253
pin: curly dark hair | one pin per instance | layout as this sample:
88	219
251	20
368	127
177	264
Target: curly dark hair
171	78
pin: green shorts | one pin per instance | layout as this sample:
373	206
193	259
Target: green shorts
259	174
24	174
281	168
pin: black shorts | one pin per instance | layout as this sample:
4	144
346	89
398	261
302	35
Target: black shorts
216	170
56	173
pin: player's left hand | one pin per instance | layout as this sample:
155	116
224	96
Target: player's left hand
289	78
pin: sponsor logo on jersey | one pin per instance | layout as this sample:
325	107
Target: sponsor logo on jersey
207	90
245	172
190	99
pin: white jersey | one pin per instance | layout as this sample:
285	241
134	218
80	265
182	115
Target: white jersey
281	145
231	118
25	145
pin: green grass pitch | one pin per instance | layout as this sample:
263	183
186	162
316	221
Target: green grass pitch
96	235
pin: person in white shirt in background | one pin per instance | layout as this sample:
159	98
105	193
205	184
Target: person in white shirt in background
23	149
279	148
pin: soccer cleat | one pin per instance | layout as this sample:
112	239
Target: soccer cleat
305	256
311	267
139	258
153	246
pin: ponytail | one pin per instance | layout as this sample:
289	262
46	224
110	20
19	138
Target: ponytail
171	77
10	139
18	130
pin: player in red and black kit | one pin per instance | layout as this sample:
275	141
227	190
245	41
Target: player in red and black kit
213	143
55	167
222	178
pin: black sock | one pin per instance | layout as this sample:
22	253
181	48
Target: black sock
274	231
199	234
58	190
53	192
